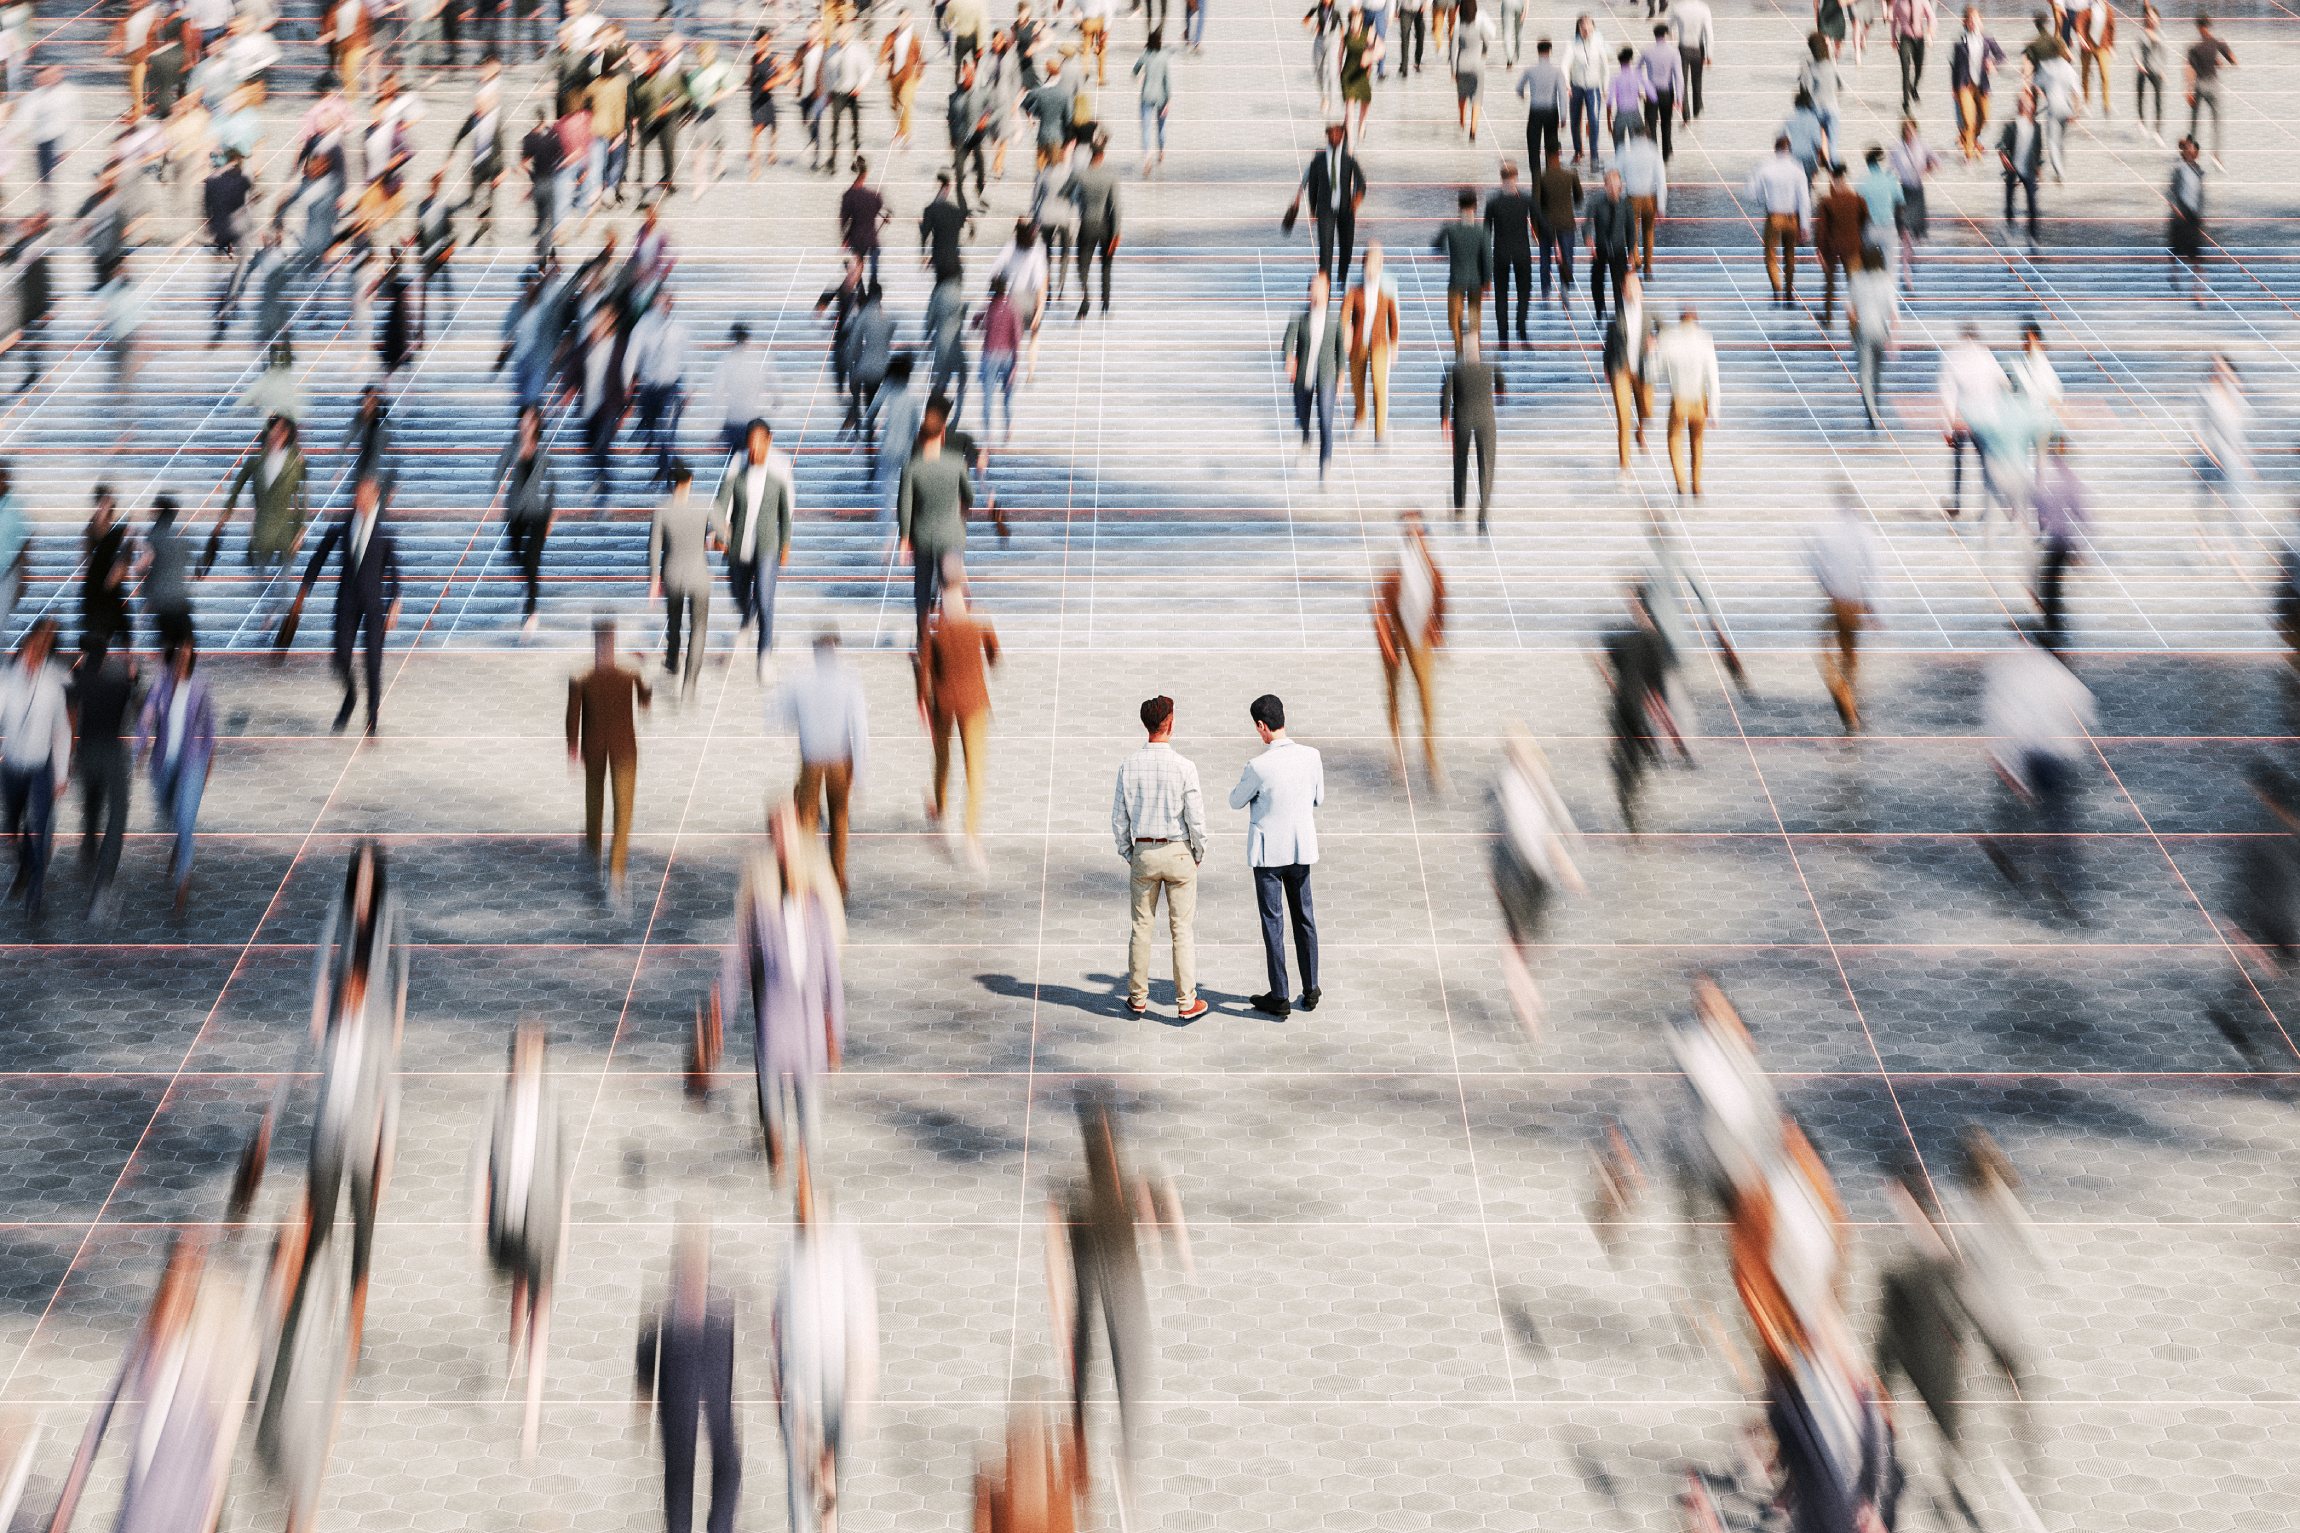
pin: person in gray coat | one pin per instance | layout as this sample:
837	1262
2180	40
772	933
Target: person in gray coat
1314	367
866	346
679	571
931	507
1466	415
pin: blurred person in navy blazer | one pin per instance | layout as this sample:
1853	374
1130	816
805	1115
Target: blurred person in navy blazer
1281	788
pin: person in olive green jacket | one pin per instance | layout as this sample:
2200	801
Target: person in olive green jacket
274	476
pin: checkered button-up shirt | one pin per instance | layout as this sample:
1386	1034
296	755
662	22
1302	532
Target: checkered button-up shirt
1158	800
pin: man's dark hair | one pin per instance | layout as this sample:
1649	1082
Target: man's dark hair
681	474
1267	711
1157	712
1466	200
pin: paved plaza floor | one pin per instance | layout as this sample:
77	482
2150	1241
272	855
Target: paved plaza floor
1398	1316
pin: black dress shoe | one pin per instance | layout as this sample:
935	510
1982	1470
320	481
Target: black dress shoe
1309	1000
1273	1004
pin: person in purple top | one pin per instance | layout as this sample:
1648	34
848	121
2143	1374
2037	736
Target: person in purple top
1664	70
1626	95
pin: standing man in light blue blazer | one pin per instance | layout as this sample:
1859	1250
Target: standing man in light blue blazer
1280	789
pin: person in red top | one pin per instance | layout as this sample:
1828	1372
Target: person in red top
574	129
1001	331
954	658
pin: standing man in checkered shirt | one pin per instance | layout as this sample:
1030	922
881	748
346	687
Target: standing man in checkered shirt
1158	819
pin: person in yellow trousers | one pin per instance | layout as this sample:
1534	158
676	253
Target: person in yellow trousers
1370	319
1409	625
1625	367
1688	360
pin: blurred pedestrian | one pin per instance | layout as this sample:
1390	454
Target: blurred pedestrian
1409	628
783	982
825	1355
1036	1484
755	504
178	734
107	557
1533	859
524	1207
530	489
603	705
1094	1272
1313	346
1843	555
2021	151
1687	357
1972	388
2062	517
1922	1328
366	595
687	1374
1370	320
934	497
2037	717
2222	461
2184	231
679	573
955	653
1469	417
163	576
1873	314
822	703
1628	357
104	692
1467	245
1637	666
15	548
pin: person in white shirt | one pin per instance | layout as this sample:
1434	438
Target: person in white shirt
2036	716
826	1354
54	108
1783	189
1696	29
35	757
1873	311
1843	555
2223	459
2096	44
744	389
1281	790
1094	39
2057	86
1972	384
1688	361
1533	860
654	366
1587	63
1158	822
1377	13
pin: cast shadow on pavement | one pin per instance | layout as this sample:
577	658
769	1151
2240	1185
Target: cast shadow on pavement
1111	1001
